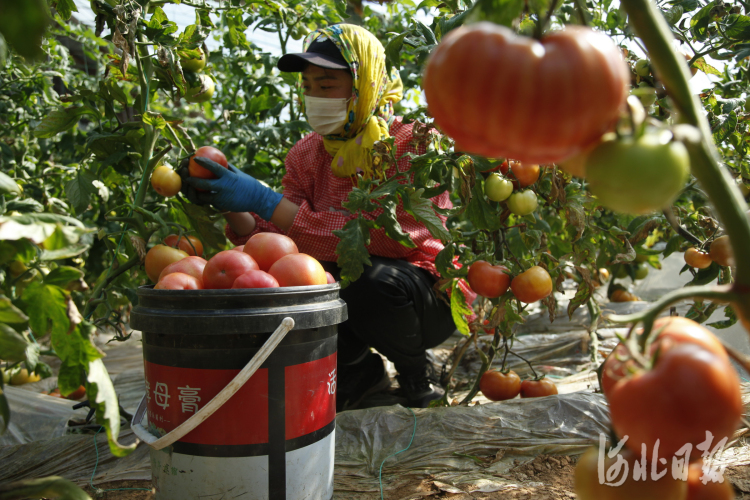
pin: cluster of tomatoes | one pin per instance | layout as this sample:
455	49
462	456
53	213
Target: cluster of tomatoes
200	87
720	251
508	185
501	386
681	397
492	281
267	260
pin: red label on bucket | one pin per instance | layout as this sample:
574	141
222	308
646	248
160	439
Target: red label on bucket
310	397
175	394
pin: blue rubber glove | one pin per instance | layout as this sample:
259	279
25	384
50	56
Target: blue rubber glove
233	190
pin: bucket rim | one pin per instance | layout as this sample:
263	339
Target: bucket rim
282	290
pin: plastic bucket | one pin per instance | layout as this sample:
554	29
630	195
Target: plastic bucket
274	439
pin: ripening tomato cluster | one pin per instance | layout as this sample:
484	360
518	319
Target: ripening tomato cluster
501	386
492	281
509	186
720	252
680	389
267	260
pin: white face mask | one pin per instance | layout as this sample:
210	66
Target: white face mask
326	115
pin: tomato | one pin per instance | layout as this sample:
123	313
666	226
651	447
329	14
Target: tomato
637	176
330	279
641	271
620	295
712	490
525	174
192	265
721	251
212	154
78	393
22	376
255	279
267	248
179	281
686	380
189	244
298	269
522	202
239	248
166	181
159	257
538	388
696	258
498	386
497	187
501	95
645	93
642	67
532	285
588	487
194	64
622	271
225	267
201	91
488	280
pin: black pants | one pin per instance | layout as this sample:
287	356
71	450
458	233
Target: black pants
393	308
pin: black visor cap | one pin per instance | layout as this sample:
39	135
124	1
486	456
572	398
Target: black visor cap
323	53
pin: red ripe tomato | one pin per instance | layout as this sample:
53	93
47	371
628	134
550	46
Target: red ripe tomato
267	248
721	251
211	153
686	380
498	386
712	490
159	257
488	280
225	267
189	244
697	259
538	388
255	279
192	265
78	393
179	281
503	95
522	174
532	285
329	278
588	487
298	269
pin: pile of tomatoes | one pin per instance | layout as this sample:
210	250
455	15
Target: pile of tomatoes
267	260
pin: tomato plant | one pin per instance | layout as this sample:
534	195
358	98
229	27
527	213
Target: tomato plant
488	280
538	388
499	386
298	269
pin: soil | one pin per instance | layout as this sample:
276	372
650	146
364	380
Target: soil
545	478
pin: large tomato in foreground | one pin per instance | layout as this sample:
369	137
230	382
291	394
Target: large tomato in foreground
298	269
637	176
225	267
267	248
499	94
212	154
532	285
688	392
159	257
499	386
712	490
488	280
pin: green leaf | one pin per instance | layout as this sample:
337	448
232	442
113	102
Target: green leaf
502	12
22	24
724	126
427	33
422	211
700	21
12	344
359	201
352	249
737	27
65	8
730	321
24	205
8	185
52	486
156	120
62	119
10	313
448	23
388	220
702	65
48	312
79	190
62	276
706	276
393	52
103	399
480	212
583	293
459	308
64	253
207	231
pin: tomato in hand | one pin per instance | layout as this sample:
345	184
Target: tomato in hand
189	244
522	202
637	176
166	181
267	248
686	380
497	187
712	490
192	265
488	280
501	95
697	259
499	386
179	281
298	269
225	267
538	388
212	154
532	285
721	251
159	257
255	279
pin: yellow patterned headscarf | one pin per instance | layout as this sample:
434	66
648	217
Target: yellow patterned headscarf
371	107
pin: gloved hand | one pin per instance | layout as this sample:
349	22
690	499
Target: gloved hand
232	190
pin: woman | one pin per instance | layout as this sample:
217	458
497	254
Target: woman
348	100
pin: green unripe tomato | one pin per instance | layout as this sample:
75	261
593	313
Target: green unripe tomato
192	64
641	271
646	94
642	67
201	92
622	272
522	202
638	176
497	187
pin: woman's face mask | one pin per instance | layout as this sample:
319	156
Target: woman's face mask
326	115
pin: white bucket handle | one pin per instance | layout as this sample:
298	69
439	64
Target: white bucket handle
217	401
